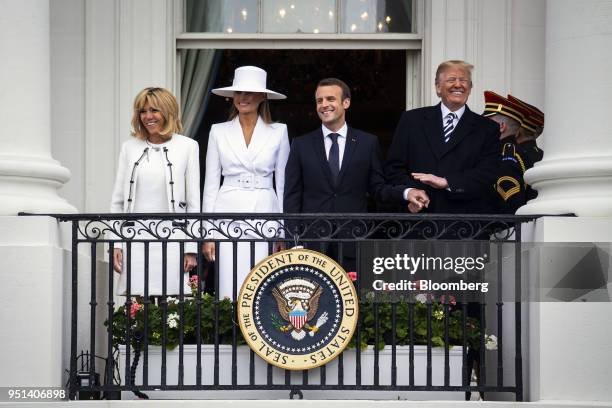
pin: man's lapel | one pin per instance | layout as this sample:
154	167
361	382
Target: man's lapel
319	151
464	127
433	130
349	149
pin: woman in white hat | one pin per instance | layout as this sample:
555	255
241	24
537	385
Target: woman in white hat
250	152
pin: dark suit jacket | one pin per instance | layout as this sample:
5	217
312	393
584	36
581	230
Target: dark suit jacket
308	180
469	161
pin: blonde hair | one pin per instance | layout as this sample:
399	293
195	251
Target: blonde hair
165	102
462	65
263	110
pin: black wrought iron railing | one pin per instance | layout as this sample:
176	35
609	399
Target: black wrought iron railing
190	330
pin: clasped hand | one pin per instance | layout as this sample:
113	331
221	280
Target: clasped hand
417	198
190	261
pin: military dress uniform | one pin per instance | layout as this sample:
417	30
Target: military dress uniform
533	123
510	186
510	191
531	154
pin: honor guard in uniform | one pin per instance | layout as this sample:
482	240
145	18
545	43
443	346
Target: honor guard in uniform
510	189
531	129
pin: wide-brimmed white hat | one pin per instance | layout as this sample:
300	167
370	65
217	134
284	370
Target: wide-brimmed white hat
248	79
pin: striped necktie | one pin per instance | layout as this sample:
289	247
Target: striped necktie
448	126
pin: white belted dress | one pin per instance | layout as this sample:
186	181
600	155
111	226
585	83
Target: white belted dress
253	182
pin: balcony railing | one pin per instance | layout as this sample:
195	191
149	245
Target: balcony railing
399	323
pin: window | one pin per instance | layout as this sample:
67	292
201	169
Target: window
299	16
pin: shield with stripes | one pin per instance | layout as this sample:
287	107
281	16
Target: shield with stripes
297	318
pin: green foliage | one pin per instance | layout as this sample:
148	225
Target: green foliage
379	309
372	310
170	323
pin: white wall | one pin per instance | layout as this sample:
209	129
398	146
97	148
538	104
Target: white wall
32	302
569	345
103	53
68	94
503	39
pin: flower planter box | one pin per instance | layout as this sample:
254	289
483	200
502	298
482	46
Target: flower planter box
314	376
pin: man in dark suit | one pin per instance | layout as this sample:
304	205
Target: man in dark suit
333	169
445	156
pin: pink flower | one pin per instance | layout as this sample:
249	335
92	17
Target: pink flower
352	276
134	308
193	282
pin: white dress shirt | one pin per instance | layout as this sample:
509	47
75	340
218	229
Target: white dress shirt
341	141
458	113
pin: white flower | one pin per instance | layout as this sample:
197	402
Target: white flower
173	319
421	298
171	299
490	342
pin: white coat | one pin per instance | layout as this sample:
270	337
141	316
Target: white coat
229	156
182	181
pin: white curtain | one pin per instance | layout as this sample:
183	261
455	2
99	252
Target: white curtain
199	66
198	77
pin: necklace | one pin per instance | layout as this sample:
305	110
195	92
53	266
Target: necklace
152	146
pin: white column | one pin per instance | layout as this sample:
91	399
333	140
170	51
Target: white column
576	173
569	353
29	176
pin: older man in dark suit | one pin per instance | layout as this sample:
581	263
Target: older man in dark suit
445	156
334	168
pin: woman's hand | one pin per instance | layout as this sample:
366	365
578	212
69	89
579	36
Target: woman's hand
117	260
190	262
279	246
208	248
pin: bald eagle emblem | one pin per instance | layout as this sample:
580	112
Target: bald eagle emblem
298	302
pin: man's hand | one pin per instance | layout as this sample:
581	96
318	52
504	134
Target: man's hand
190	262
117	260
431	180
208	248
417	200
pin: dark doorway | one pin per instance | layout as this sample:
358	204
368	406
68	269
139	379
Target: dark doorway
377	79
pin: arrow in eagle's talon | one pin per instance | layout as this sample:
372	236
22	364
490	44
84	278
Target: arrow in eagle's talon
320	322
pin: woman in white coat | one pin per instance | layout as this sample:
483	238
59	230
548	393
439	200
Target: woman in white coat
250	152
159	172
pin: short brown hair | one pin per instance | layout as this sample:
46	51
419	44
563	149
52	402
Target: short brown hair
346	91
158	98
465	66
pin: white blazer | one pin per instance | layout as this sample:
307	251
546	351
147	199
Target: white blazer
182	178
229	156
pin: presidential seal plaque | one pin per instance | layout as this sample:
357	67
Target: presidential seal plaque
297	309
